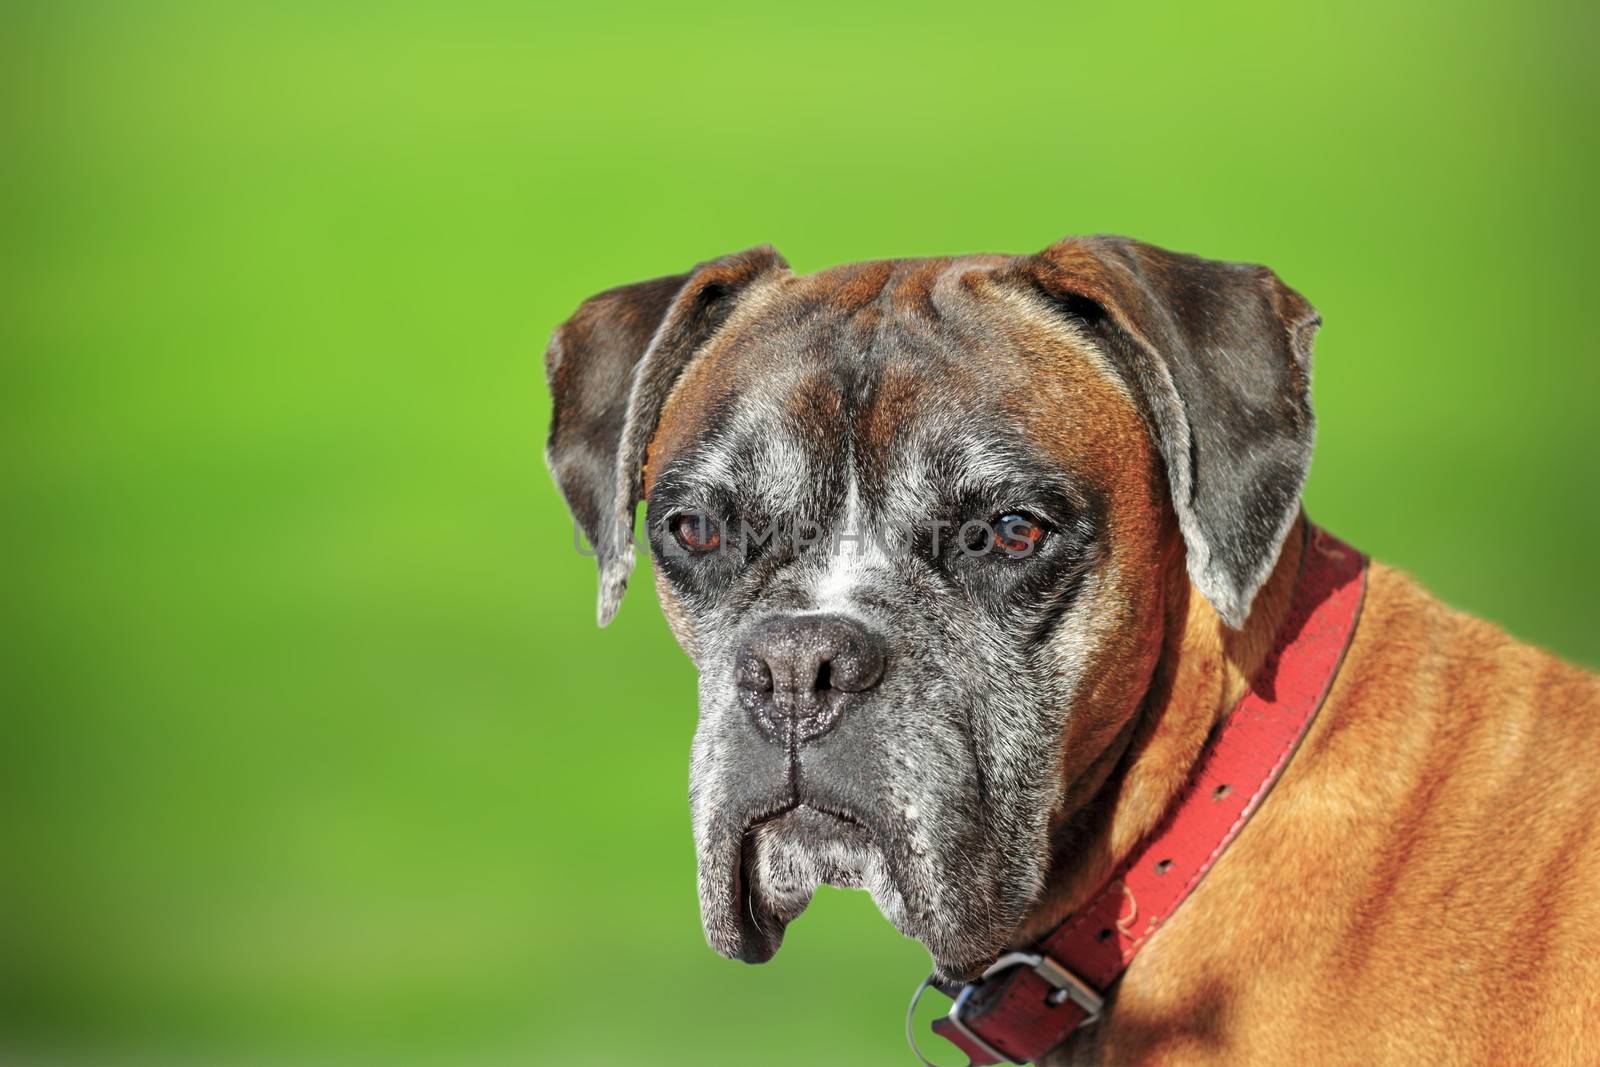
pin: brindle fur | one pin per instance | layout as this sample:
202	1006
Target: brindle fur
1420	886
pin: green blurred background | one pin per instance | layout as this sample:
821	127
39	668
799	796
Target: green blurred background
312	752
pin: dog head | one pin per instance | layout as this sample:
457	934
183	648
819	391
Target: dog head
911	520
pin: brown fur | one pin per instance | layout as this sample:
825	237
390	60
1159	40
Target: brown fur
1429	855
1428	861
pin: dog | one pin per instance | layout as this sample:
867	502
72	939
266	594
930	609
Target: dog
978	728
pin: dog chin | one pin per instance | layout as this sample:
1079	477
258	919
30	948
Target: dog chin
782	861
754	885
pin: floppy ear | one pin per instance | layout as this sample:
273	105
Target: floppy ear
610	368
1218	356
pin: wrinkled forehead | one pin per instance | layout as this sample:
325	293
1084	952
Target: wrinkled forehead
893	376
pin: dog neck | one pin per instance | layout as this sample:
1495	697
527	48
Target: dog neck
1202	669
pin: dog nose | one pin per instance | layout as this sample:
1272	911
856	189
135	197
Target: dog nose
798	673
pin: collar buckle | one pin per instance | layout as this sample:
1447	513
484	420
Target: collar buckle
1064	986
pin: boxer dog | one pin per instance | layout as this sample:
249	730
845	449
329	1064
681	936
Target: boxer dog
975	555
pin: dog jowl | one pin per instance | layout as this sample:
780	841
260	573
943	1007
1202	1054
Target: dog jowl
917	523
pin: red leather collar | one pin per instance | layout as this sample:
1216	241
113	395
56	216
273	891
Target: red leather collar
1029	1002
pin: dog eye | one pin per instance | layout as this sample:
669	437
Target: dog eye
1019	534
697	533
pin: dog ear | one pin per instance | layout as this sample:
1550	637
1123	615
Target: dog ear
1218	356
610	368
